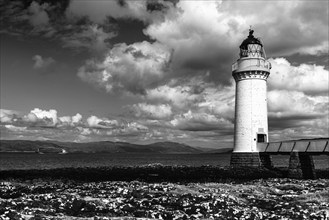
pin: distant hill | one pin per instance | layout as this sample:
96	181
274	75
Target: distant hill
28	146
94	147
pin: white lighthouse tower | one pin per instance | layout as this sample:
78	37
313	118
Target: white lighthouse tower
250	72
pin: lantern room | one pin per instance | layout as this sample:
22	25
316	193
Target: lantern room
252	47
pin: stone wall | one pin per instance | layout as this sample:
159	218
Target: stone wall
241	159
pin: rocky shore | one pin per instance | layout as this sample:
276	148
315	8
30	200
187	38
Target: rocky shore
161	192
257	199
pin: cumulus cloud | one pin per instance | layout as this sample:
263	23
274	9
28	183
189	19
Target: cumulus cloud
42	63
95	122
184	47
132	128
46	118
219	101
92	37
15	128
30	118
209	107
196	94
195	48
282	101
76	119
84	131
200	122
291	109
310	79
131	68
180	96
71	120
49	118
298	98
38	14
149	111
67	128
8	116
199	48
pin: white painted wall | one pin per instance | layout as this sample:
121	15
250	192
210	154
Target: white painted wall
250	113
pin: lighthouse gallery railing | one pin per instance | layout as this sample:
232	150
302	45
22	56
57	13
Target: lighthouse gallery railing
253	62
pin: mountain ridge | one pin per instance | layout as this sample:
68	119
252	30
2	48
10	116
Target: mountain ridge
94	147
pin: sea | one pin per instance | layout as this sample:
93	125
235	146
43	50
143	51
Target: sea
26	161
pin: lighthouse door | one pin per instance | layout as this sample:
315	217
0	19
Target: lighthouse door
261	138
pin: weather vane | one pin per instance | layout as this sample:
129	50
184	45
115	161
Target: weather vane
250	31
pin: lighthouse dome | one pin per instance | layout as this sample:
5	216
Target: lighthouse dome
250	40
252	47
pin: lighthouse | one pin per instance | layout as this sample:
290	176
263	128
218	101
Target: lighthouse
250	73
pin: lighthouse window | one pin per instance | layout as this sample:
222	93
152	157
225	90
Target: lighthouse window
243	53
261	138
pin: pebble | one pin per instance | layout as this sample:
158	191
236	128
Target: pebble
273	199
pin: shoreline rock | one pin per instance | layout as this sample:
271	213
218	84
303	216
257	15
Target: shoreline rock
274	198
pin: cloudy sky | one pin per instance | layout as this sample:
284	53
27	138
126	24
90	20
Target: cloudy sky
148	71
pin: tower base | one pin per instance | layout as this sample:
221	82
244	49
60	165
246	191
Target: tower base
245	159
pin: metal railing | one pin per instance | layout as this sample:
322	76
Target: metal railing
285	147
